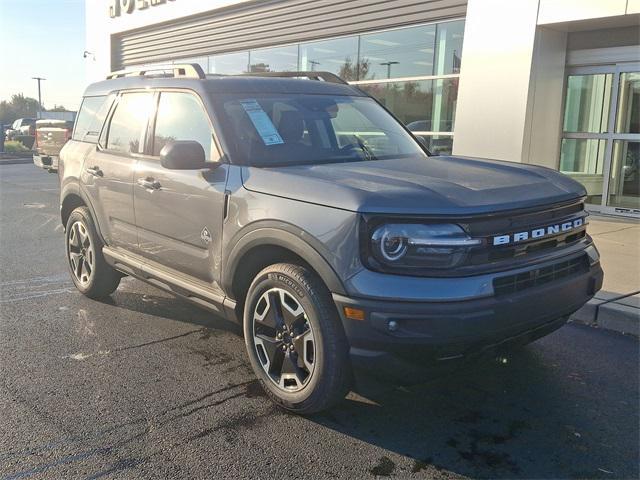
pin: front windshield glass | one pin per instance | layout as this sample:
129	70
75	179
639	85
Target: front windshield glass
276	130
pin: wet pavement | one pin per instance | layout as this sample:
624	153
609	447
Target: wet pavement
148	386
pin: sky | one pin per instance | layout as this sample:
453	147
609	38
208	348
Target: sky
43	38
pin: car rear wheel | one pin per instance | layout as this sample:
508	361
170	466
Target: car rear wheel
295	341
89	271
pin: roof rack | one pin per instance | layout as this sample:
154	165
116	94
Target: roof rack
183	70
320	76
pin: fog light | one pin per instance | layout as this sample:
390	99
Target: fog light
392	325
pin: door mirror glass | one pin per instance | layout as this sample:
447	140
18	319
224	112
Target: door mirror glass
183	155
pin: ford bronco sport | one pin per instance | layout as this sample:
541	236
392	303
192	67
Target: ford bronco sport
298	206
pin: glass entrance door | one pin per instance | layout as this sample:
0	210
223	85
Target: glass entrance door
601	136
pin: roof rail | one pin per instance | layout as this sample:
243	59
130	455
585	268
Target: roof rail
320	76
183	70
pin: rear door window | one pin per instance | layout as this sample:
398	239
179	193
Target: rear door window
91	117
181	117
129	123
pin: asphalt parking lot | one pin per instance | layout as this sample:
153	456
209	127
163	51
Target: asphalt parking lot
148	386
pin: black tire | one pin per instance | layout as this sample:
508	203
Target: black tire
103	279
331	376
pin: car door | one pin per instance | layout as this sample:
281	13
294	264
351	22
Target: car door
179	213
108	170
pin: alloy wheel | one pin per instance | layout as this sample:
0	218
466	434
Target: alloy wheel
284	340
81	253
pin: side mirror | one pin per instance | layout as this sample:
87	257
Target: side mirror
183	155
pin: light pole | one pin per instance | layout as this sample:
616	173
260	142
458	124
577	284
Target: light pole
39	79
313	64
388	64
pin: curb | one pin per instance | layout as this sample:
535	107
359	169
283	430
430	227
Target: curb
610	311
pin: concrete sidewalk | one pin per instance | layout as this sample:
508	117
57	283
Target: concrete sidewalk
617	306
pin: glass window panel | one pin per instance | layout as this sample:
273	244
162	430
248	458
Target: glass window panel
406	52
624	184
628	120
279	59
424	106
129	122
438	144
229	63
583	159
339	56
448	47
445	99
587	103
181	117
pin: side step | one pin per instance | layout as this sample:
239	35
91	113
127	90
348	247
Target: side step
135	266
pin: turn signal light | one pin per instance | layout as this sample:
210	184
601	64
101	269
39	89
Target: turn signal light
353	313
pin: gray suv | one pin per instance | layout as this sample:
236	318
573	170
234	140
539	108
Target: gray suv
299	207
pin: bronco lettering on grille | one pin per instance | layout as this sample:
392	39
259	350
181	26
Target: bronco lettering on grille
538	232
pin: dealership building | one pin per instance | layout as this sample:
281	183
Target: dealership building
547	82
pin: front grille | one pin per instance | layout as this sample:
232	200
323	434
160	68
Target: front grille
540	276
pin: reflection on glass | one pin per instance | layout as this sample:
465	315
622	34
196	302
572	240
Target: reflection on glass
339	56
438	144
624	184
448	47
628	120
129	122
424	106
583	159
229	63
181	117
587	103
406	52
279	59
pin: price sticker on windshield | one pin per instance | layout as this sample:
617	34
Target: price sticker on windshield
262	123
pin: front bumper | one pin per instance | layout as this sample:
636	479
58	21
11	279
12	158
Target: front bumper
47	162
449	329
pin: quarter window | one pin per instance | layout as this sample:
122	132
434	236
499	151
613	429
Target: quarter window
90	119
181	117
128	123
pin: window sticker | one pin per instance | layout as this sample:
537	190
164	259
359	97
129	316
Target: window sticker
261	121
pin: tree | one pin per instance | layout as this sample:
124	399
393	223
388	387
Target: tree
57	108
18	107
348	71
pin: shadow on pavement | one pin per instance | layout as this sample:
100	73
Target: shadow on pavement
492	420
527	418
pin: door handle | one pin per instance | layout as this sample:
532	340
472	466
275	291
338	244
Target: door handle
95	171
149	183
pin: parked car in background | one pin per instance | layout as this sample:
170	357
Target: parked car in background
51	135
21	126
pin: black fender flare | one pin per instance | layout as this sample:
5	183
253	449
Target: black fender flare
74	188
295	241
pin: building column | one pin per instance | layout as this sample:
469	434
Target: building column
504	70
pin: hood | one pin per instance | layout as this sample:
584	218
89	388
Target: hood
435	185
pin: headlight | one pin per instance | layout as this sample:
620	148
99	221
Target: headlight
415	246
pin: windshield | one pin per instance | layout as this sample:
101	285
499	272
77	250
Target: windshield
275	130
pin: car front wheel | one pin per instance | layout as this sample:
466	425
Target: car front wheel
295	341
